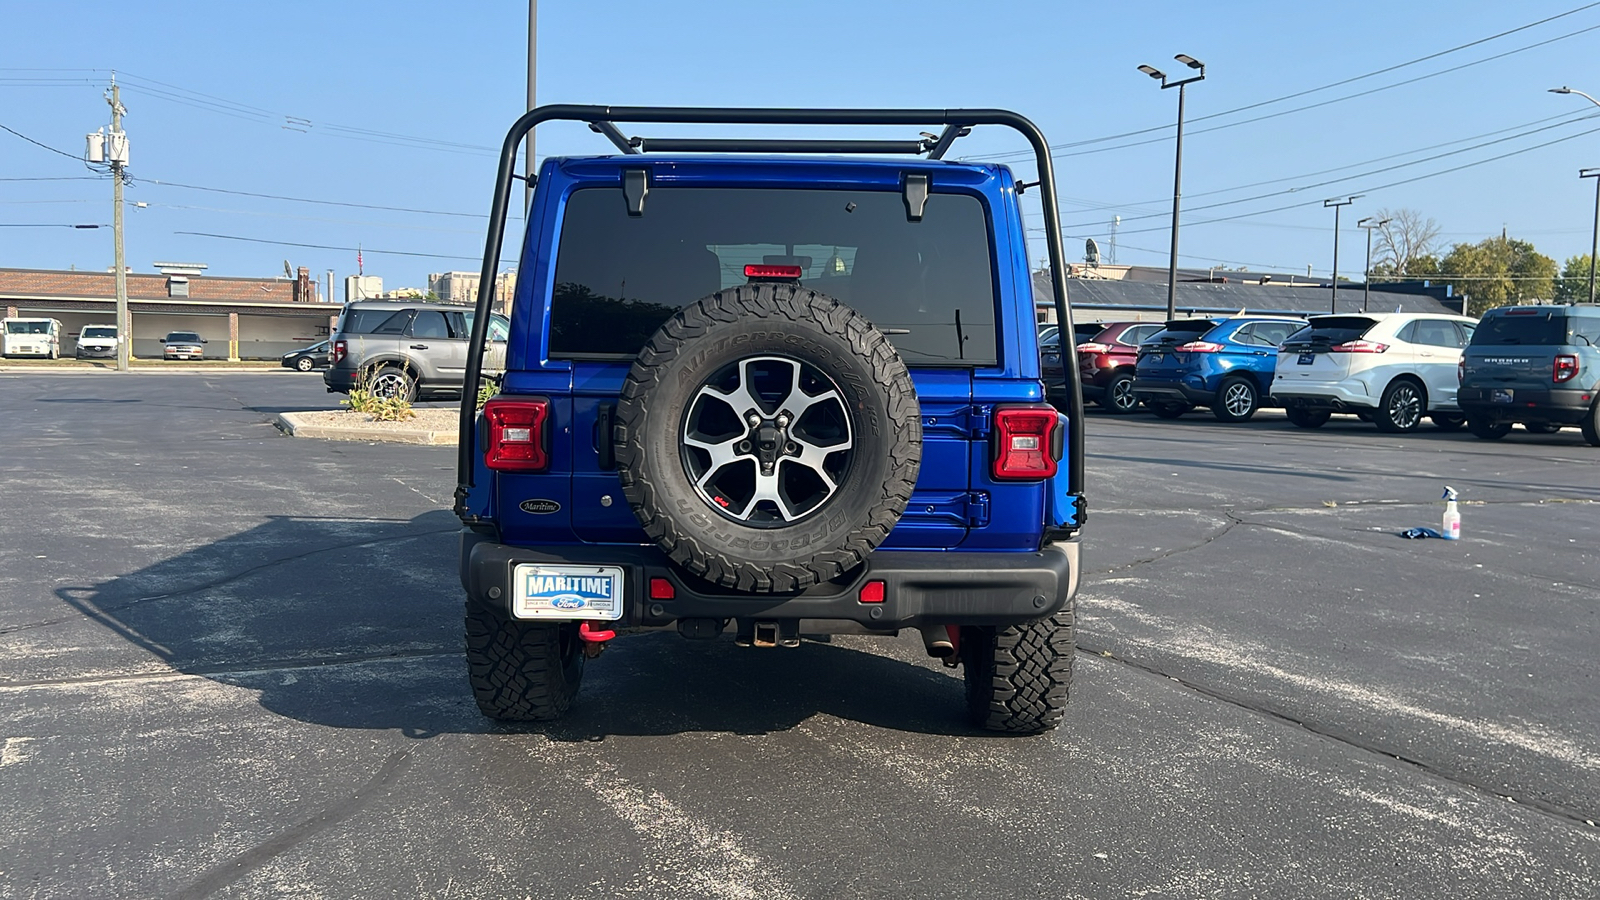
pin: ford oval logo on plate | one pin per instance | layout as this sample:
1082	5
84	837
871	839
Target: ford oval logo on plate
540	507
570	601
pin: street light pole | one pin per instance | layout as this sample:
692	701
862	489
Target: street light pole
1368	223
1177	169
1333	291
1594	242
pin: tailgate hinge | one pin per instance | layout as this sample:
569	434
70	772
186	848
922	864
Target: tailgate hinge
979	420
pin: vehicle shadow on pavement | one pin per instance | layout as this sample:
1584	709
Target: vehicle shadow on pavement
357	623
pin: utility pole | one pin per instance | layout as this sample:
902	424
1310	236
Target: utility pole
117	156
533	21
1333	292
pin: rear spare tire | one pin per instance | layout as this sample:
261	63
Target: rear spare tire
768	438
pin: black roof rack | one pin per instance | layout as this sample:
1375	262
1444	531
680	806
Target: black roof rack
934	145
604	119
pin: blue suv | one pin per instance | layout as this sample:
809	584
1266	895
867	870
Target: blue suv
1226	364
771	395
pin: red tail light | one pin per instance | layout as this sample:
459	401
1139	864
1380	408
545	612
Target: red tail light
1092	347
1358	347
1461	370
1565	369
1027	443
758	271
340	349
1199	347
519	434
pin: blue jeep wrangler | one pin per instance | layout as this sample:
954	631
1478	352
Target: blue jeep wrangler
755	391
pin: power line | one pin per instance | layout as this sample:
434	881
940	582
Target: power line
40	144
216	190
1392	168
1328	86
60	178
362	249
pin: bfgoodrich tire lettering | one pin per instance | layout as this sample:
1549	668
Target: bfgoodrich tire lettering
766	321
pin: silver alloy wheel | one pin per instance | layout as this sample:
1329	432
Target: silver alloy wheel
1238	399
767	441
1405	407
304	364
1122	396
390	383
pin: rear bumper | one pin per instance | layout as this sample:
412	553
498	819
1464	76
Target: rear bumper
943	588
1337	396
1172	392
1566	406
339	380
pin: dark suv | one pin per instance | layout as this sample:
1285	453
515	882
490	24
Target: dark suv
772	397
1534	365
407	348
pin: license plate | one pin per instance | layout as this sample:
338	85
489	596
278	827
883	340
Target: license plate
1306	359
1500	396
1158	357
566	592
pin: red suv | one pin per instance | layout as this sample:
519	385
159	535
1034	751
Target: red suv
1106	363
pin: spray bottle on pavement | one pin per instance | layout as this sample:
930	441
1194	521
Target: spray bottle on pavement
1450	526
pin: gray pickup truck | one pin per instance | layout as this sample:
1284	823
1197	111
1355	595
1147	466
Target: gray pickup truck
407	348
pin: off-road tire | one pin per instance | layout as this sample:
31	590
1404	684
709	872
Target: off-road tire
1401	408
1487	429
521	671
1169	410
393	381
1237	400
1307	418
1017	678
1448	421
1591	425
1119	398
746	322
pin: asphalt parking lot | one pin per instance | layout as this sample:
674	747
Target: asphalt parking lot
230	666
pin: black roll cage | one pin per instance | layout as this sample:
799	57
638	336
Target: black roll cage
603	119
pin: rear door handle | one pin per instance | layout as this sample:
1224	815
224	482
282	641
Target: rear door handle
419	346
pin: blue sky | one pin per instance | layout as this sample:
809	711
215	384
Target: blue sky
210	88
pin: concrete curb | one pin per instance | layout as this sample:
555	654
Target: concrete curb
176	369
295	425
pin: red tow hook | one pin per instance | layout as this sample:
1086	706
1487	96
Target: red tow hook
594	641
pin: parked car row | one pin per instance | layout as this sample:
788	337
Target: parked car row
1538	366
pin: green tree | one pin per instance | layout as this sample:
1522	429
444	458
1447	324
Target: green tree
1498	271
1574	284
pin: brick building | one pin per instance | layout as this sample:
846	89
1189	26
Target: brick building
253	318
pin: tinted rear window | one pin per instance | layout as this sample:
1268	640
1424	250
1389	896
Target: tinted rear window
370	320
1182	332
928	285
1332	330
1538	328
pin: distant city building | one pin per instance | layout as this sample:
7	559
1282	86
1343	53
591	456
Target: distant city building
405	293
362	287
462	287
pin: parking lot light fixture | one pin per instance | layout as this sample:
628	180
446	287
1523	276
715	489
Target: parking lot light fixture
1369	223
1177	168
1333	289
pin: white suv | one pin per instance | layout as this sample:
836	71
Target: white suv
1391	369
